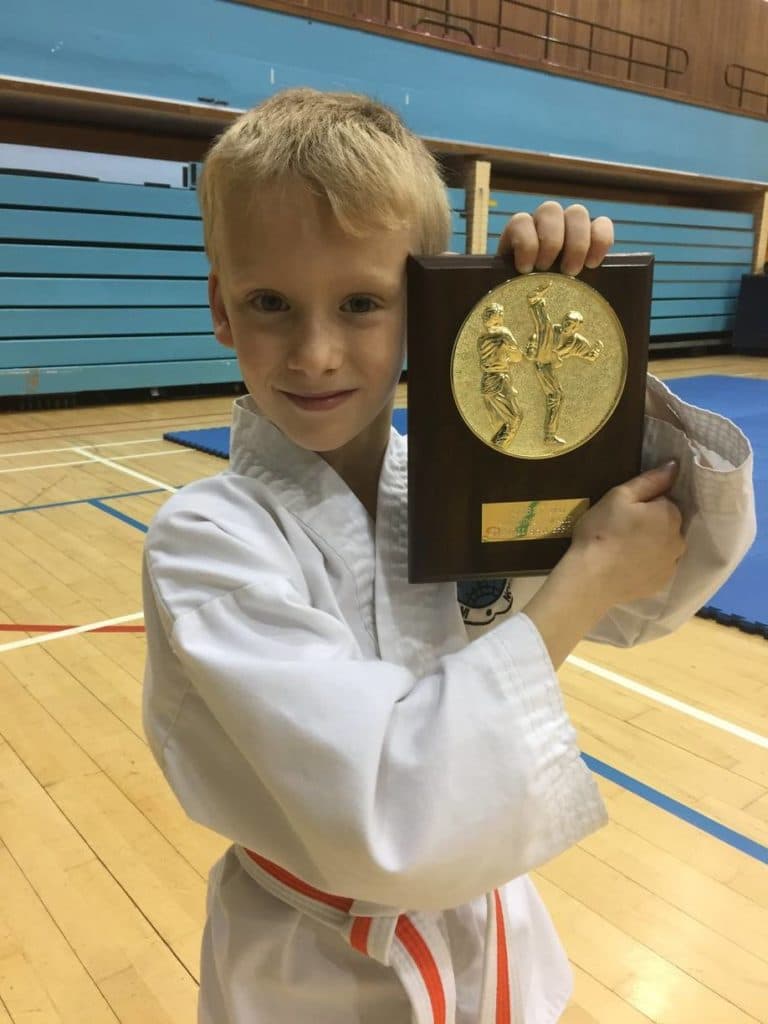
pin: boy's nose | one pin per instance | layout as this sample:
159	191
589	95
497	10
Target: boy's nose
317	348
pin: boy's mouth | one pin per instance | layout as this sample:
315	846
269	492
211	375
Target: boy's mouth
318	402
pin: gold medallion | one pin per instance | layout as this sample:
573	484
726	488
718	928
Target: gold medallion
539	366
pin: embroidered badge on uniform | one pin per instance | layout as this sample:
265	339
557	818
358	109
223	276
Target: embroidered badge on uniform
482	601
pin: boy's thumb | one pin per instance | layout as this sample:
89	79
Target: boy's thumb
653	482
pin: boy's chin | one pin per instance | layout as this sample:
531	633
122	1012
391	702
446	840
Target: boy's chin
333	431
320	441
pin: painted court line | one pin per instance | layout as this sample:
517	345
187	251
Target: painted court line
609	676
670	702
60	634
101	444
124	469
36	627
179	450
46	465
701	821
736	840
716	829
135	523
75	501
84	462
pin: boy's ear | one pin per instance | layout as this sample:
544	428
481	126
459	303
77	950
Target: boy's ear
221	327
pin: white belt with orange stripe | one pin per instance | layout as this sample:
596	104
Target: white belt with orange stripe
408	942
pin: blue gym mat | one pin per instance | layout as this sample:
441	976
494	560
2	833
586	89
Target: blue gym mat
215	441
743	600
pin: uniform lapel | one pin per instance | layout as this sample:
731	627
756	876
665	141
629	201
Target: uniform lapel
313	492
415	623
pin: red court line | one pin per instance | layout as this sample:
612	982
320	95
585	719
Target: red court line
26	627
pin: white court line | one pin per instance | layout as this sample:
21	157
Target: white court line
604	673
46	637
46	465
124	469
103	444
670	702
151	455
61	633
84	462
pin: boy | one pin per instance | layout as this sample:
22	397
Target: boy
386	780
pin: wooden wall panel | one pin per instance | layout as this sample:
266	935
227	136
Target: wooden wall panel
715	33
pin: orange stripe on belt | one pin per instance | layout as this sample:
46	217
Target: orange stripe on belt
421	956
340	902
358	937
409	936
503	1008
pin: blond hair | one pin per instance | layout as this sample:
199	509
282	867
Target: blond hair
352	150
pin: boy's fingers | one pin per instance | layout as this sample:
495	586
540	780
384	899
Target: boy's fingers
519	240
578	239
602	240
652	483
535	240
550	229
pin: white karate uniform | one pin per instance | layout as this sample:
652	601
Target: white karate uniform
392	780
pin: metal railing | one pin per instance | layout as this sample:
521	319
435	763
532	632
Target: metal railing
672	60
740	72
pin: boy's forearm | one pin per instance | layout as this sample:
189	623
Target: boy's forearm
567	607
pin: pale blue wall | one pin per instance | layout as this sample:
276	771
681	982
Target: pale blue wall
184	49
104	285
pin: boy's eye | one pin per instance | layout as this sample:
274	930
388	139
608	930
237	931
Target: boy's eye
359	304
269	302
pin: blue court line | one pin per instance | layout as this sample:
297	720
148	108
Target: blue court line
654	796
78	501
713	828
118	515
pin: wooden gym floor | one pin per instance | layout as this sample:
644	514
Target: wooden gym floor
102	878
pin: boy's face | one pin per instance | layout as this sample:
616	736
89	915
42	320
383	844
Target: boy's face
316	317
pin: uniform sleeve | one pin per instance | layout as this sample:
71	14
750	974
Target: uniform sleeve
715	494
274	730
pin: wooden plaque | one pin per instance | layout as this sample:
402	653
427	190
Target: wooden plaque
481	503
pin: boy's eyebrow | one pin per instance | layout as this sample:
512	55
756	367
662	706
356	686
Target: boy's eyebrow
372	282
362	281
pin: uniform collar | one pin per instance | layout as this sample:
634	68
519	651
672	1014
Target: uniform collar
412	624
303	478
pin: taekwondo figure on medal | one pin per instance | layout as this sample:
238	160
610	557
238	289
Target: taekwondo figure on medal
550	344
497	350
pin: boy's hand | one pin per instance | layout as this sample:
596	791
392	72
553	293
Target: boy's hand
629	544
625	548
535	240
